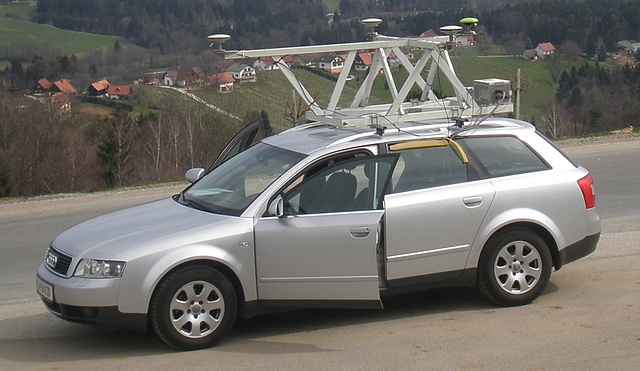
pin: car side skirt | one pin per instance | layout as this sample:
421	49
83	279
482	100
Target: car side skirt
333	304
456	278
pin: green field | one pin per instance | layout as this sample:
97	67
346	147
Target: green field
18	35
17	11
331	5
272	93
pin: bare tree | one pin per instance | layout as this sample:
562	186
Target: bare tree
483	40
153	139
295	109
554	121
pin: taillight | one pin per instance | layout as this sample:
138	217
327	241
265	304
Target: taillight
586	186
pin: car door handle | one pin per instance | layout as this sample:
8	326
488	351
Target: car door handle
359	232
472	201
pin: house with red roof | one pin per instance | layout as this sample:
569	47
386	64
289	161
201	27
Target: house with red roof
265	64
119	92
222	82
545	50
98	88
269	64
184	77
363	61
428	34
62	86
42	87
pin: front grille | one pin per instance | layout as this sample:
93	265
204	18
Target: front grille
57	261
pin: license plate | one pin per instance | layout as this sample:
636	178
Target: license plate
44	289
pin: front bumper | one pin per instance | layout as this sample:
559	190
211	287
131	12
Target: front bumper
84	300
81	291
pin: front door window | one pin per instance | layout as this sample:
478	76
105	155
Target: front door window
351	183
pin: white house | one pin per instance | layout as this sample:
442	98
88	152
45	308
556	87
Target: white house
331	63
242	72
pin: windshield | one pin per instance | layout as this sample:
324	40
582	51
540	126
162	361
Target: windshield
234	184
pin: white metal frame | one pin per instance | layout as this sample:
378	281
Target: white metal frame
434	57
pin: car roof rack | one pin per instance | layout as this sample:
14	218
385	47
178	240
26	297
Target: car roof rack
487	97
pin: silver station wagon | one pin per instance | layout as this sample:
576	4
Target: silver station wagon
326	216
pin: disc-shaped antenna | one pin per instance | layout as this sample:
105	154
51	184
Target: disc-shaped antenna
450	30
217	40
469	21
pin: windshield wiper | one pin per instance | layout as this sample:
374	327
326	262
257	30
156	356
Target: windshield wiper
194	203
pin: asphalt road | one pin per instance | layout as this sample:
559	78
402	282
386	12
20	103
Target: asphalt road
587	319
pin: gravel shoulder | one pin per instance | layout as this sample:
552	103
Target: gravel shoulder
624	135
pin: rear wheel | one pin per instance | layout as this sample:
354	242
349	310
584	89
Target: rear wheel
193	308
514	268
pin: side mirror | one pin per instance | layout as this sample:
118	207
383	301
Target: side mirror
192	175
276	207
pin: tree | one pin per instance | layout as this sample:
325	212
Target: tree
595	118
114	150
266	125
602	53
590	50
64	64
554	121
153	135
295	109
576	99
93	70
37	70
5	179
483	40
16	76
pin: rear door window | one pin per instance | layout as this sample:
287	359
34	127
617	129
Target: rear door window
427	167
502	155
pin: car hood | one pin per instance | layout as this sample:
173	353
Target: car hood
109	235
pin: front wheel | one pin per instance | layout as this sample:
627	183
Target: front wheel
514	267
193	308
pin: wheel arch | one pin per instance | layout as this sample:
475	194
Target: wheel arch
217	265
537	228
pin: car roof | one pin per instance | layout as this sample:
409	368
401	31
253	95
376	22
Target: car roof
312	137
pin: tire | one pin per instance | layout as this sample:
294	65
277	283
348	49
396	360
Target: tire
193	308
514	268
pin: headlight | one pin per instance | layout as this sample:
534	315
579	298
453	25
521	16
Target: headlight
94	268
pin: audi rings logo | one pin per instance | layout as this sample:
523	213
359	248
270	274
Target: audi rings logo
51	259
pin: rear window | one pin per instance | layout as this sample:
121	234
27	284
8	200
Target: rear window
502	155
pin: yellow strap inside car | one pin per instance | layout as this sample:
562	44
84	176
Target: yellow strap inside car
429	143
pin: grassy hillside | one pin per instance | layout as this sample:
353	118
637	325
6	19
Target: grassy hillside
537	84
330	5
19	36
272	93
